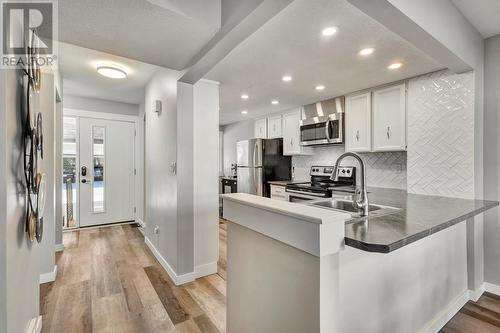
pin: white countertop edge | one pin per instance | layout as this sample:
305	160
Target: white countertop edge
296	210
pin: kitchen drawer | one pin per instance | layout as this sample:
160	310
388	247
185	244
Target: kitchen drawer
279	193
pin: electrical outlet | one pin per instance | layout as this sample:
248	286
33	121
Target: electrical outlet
399	168
157	230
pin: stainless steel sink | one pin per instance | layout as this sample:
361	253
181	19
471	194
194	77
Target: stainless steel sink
347	206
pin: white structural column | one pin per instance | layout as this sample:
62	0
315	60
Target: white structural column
197	177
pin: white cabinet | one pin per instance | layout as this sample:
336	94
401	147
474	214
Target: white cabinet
291	135
358	123
278	193
261	128
389	119
274	127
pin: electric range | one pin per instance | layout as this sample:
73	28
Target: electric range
321	184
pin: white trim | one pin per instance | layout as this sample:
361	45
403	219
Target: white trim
49	277
81	113
140	222
178	279
59	247
34	325
475	294
492	288
444	316
209	81
205	269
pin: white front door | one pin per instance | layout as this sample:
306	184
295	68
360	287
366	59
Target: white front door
106	171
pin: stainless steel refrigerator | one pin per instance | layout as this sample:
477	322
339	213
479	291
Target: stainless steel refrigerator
260	161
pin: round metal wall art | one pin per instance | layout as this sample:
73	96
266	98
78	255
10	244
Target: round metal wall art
32	142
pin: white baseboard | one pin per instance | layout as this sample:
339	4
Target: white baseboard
492	288
178	279
474	295
443	317
49	277
35	325
59	247
140	222
206	269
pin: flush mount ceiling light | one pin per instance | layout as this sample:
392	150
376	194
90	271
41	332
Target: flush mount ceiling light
320	87
244	112
367	51
395	65
286	78
244	96
329	31
112	71
275	102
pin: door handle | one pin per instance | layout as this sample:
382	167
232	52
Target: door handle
357	135
388	132
85	181
327	130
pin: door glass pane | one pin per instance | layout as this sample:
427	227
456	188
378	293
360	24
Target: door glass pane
70	162
98	152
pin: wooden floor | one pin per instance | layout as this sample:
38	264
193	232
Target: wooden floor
108	281
482	316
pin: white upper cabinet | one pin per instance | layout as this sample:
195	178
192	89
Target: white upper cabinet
389	119
291	135
261	128
358	123
274	127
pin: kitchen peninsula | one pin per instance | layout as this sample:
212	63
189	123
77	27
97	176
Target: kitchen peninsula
399	272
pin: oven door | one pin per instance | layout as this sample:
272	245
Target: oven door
322	130
299	198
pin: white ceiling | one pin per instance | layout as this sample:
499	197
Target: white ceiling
162	32
291	43
483	14
80	78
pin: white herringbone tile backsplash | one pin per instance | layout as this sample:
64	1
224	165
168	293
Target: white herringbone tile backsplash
382	169
441	134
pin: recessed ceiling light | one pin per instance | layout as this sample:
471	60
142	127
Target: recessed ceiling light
244	96
329	31
275	102
112	71
367	51
395	65
320	87
286	78
244	112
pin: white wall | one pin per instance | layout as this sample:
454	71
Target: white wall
47	167
206	172
233	133
19	265
161	151
100	105
3	209
182	204
492	158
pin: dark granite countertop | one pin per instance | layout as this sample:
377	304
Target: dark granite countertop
285	182
228	177
419	217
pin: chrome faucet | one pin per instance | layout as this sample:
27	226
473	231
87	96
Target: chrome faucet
360	198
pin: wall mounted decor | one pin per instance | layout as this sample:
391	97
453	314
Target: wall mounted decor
32	142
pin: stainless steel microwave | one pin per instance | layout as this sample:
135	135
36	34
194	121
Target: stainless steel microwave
322	123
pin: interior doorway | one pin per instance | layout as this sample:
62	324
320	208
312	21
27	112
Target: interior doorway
98	171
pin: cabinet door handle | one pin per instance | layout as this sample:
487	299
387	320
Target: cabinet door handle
389	132
357	135
291	142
